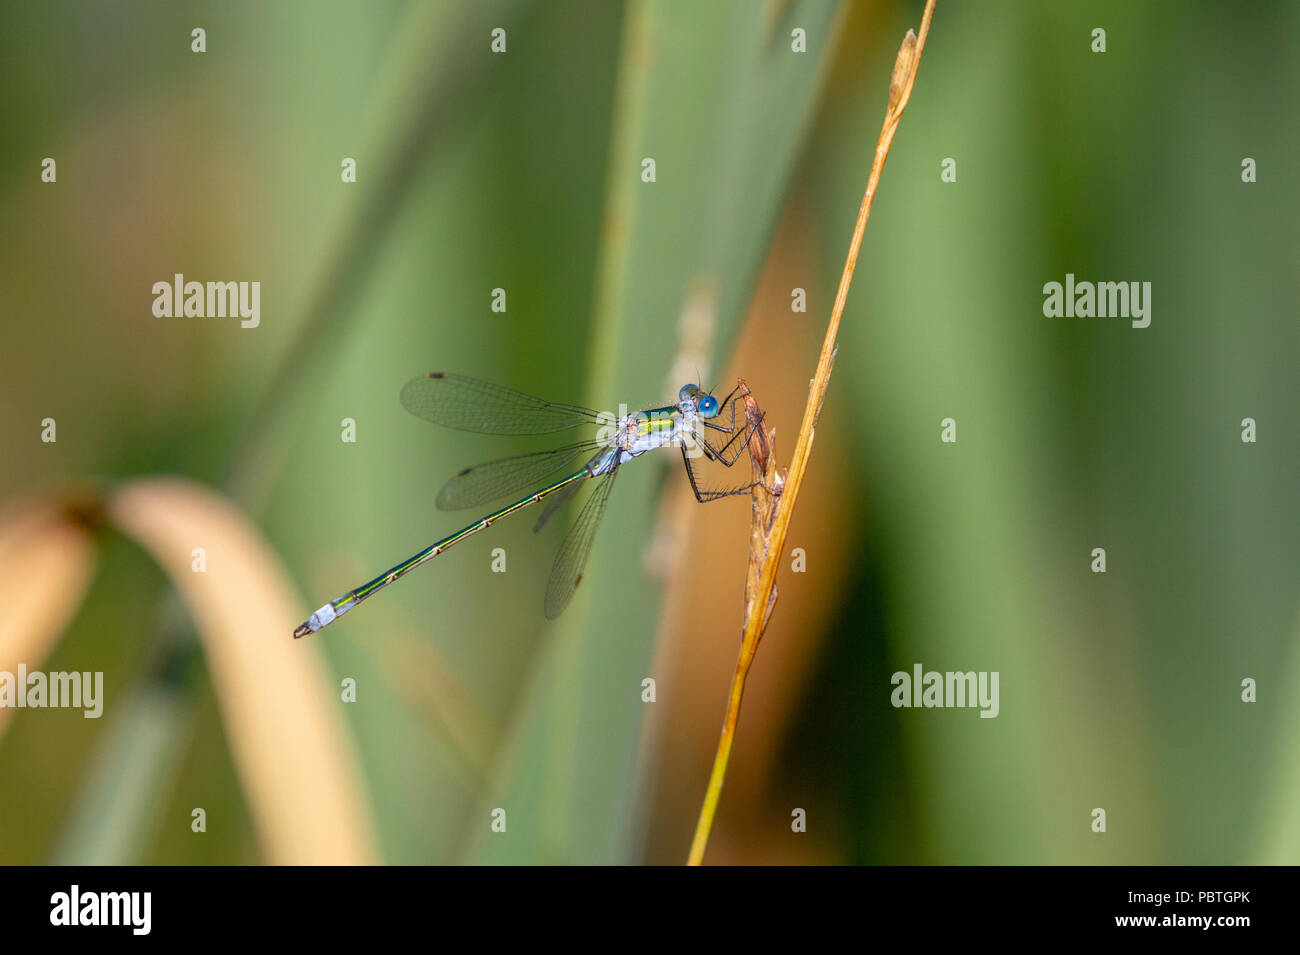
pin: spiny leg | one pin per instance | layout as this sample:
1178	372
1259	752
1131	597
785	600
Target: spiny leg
706	496
723	403
720	454
718	427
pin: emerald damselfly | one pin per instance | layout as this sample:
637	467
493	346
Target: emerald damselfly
468	404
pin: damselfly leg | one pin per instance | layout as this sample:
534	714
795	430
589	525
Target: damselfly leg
723	455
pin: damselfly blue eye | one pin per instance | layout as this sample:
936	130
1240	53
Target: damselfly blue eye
708	406
687	392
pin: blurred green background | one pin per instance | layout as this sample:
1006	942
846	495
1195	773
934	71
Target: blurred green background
522	171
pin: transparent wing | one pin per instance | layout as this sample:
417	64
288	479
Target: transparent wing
566	574
476	486
467	404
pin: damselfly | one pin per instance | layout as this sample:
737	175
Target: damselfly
468	404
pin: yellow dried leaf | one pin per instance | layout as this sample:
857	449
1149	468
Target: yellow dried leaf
288	738
46	558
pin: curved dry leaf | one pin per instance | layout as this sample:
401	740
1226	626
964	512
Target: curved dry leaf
46	558
289	741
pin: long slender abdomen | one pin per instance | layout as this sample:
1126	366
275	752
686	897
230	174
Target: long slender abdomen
337	608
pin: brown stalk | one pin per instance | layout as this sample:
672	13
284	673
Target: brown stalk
773	505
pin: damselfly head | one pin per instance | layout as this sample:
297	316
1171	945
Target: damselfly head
688	399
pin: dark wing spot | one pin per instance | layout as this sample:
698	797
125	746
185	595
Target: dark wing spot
464	472
436	374
578	581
